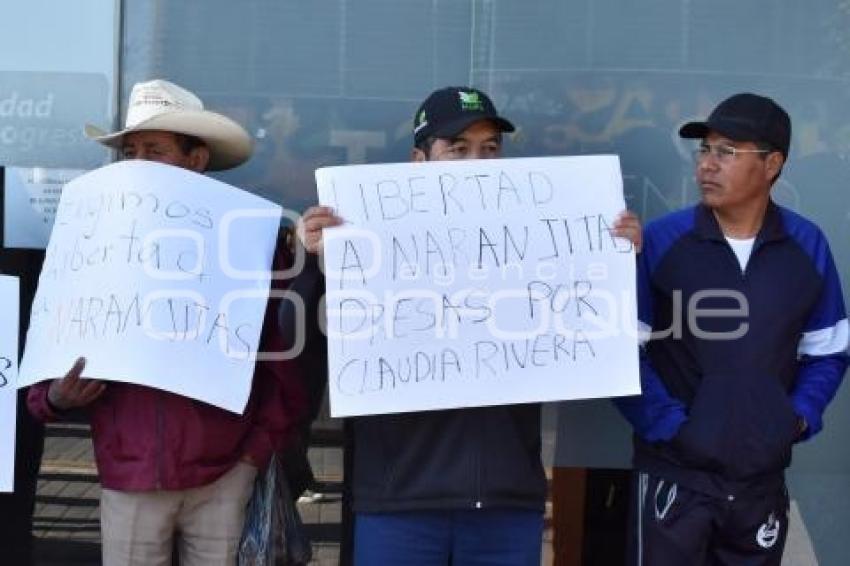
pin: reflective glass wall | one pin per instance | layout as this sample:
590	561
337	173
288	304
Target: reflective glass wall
53	78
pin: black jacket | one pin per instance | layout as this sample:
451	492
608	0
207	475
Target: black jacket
481	457
451	459
722	396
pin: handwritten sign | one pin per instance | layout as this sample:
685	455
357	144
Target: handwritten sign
468	283
8	377
158	276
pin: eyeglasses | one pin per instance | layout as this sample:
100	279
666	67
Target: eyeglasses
722	152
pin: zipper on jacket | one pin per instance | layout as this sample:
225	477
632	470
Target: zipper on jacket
742	273
479	441
757	245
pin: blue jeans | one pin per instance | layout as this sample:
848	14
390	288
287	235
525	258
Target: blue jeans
488	537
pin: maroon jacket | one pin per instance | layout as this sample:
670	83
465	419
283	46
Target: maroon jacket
148	439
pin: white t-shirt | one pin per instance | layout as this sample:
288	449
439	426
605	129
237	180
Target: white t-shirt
742	249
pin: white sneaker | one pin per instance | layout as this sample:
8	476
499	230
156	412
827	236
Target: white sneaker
310	496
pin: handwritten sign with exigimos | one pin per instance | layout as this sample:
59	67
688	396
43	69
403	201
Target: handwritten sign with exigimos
9	299
158	276
485	282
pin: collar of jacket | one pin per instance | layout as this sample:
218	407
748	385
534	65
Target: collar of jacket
772	227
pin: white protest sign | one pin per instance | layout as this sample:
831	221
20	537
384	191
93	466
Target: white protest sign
158	276
484	282
8	377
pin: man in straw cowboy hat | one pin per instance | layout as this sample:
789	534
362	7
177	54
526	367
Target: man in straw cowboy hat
169	464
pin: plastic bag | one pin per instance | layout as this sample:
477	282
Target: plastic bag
273	534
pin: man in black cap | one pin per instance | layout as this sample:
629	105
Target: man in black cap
458	123
744	339
457	486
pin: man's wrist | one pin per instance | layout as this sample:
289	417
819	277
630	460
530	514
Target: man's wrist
54	408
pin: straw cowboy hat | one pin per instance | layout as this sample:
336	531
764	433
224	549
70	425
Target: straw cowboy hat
161	105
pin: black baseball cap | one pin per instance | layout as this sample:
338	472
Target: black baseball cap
449	111
746	117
